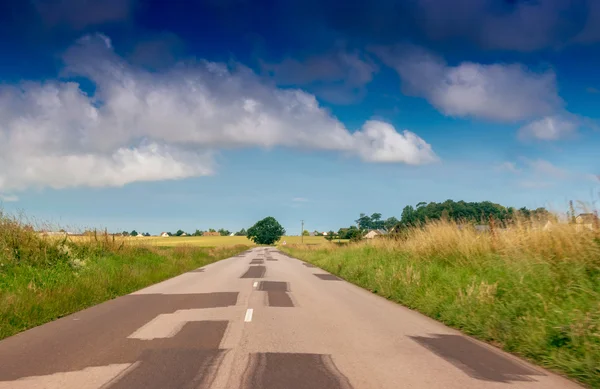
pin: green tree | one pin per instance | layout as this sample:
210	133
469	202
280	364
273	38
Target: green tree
211	230
364	222
179	233
390	223
266	231
134	233
305	233
331	235
354	234
224	232
197	233
376	222
125	233
241	232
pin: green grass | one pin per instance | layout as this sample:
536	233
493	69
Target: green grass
534	295
44	279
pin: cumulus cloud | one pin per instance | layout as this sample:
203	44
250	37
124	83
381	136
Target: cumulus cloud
143	126
501	92
338	76
550	128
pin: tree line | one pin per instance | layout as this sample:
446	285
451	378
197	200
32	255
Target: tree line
222	232
458	211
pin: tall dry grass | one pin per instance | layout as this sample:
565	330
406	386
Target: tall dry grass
532	291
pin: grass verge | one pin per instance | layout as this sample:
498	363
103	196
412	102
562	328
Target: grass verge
532	292
44	279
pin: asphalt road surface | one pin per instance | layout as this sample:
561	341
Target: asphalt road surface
259	320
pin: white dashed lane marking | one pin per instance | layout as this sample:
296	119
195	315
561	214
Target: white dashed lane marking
248	315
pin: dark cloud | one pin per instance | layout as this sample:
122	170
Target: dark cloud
519	25
158	52
80	14
338	76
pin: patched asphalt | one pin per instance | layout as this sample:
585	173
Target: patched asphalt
259	320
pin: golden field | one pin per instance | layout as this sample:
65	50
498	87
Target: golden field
202	241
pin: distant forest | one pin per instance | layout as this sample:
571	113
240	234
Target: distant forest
475	212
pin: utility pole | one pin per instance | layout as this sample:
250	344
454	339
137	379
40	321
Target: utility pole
302	233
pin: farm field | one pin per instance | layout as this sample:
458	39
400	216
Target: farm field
206	241
219	241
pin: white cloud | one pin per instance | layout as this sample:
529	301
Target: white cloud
545	168
9	198
550	128
144	126
501	92
379	142
540	173
509	167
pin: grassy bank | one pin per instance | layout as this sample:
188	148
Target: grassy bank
531	292
43	279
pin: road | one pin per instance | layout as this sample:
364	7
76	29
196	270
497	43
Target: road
259	320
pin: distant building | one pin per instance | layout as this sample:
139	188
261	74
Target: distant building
482	228
586	221
324	234
372	234
164	235
207	233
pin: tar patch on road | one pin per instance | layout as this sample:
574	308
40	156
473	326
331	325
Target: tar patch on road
255	272
277	295
192	368
187	360
293	371
257	261
477	361
327	277
308	264
273	286
271	259
99	336
279	299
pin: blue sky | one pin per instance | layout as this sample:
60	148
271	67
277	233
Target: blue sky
156	116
